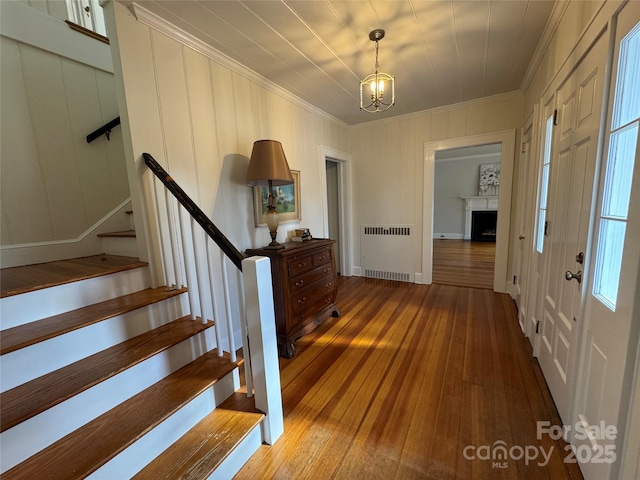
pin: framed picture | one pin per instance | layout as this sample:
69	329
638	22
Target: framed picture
287	201
489	179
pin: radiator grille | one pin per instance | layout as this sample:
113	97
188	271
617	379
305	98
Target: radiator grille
388	252
398	276
387	230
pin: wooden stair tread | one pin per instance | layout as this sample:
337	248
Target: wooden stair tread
203	448
25	335
88	448
17	280
124	234
31	398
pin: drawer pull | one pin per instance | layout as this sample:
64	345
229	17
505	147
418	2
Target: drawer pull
326	270
302	300
321	257
299	283
302	264
328	285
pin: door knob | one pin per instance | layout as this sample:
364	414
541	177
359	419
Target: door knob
570	276
521	237
580	258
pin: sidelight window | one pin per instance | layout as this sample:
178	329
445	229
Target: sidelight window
623	142
544	184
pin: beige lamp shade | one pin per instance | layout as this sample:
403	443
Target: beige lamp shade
268	163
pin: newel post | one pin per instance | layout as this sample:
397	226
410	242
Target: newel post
261	329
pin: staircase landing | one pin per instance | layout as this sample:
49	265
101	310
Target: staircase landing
17	280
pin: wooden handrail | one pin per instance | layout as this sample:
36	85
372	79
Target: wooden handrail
103	130
199	216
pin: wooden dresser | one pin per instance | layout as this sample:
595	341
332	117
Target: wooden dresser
304	288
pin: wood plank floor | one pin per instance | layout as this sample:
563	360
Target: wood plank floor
405	380
463	263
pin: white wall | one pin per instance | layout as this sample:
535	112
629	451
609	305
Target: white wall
54	186
455	179
54	8
388	158
199	119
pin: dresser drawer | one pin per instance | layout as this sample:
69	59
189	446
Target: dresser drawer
322	258
299	265
307	298
309	278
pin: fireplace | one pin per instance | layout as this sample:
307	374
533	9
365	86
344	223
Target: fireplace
483	226
480	204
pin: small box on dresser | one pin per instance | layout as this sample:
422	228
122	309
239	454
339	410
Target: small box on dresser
304	288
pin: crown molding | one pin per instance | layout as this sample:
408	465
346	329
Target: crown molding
559	8
162	25
445	108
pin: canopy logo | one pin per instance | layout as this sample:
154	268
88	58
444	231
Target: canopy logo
499	453
595	450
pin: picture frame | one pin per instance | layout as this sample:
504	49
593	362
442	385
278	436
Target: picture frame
287	202
489	180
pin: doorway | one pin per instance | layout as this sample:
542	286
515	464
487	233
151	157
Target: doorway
465	214
333	206
335	172
506	141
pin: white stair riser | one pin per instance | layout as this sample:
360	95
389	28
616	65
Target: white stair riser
28	307
35	434
125	246
137	456
36	360
239	456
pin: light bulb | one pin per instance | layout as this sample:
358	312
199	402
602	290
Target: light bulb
377	88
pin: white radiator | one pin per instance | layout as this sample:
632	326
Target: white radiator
388	252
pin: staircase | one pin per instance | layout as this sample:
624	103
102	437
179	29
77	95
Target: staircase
121	242
103	377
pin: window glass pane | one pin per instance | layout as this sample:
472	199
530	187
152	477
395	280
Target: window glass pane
609	261
617	188
544	182
544	187
542	216
627	96
547	140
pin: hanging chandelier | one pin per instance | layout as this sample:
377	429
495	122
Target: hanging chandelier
374	86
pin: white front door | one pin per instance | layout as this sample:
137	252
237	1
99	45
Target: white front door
573	159
614	263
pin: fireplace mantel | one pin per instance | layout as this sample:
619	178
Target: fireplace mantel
480	203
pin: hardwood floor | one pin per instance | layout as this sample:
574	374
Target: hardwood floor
463	263
406	379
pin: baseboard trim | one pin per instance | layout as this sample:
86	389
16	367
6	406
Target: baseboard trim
84	245
448	236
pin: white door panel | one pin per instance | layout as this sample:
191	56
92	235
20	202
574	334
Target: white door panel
573	161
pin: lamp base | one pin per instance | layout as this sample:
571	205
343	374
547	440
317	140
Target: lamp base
272	222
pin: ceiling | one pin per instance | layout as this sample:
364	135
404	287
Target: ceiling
441	52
